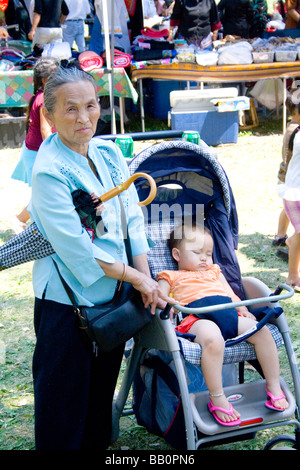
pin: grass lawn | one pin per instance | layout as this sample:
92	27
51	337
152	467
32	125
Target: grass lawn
251	166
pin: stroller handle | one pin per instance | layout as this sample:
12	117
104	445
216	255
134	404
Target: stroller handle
238	339
124	186
214	308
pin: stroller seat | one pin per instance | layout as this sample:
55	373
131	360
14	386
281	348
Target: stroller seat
160	259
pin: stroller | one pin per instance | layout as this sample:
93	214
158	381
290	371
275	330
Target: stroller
191	183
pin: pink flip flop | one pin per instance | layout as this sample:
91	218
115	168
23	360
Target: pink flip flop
212	408
270	403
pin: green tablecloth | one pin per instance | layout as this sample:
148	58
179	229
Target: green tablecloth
16	87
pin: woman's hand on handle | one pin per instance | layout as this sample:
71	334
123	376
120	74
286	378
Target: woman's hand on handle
140	278
151	293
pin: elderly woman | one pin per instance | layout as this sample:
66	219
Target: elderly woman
196	20
73	386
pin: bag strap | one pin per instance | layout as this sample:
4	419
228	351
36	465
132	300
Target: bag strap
124	228
67	289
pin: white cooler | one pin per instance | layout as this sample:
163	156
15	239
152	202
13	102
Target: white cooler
195	110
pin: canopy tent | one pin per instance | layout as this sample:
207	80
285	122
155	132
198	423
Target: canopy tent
109	54
112	16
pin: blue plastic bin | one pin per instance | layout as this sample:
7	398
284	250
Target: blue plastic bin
214	128
161	95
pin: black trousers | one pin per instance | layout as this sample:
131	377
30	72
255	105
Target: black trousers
73	386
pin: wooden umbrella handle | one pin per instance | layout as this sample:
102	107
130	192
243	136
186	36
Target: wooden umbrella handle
123	186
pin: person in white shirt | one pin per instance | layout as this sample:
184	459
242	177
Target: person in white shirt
290	193
73	27
149	9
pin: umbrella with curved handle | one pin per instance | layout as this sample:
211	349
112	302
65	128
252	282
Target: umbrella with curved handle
31	245
124	186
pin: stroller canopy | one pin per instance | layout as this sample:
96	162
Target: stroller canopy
190	178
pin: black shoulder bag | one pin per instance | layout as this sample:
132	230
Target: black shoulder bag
113	323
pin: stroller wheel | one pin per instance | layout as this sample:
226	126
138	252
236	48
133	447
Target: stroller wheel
281	442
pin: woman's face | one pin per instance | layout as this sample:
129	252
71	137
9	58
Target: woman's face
75	114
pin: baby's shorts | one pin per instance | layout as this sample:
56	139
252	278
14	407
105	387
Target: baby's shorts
226	319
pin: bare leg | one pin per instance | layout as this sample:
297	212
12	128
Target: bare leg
294	260
208	335
283	224
266	353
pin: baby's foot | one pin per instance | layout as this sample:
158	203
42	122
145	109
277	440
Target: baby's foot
222	402
277	398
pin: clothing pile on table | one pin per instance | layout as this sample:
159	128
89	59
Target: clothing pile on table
18	55
151	47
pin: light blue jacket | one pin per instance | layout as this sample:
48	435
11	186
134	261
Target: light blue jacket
57	172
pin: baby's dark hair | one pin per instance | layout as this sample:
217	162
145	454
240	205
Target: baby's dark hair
177	235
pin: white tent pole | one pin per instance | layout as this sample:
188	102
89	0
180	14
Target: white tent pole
108	62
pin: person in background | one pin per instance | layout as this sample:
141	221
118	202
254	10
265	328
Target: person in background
236	17
292	14
196	20
287	151
260	10
73	27
149	8
278	12
74	384
167	7
17	13
121	34
136	20
37	130
48	15
290	193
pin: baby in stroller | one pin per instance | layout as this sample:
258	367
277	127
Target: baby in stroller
198	283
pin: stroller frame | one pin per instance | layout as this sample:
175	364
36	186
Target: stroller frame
160	335
200	427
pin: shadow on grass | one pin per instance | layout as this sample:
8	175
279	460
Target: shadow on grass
261	260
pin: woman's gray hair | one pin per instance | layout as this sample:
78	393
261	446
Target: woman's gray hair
60	77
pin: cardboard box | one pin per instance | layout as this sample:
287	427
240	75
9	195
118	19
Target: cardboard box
241	103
